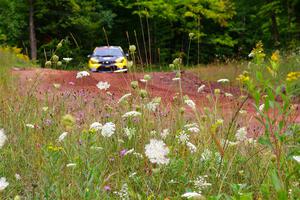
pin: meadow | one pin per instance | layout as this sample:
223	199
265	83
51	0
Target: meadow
135	147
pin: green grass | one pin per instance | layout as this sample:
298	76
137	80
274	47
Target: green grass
246	171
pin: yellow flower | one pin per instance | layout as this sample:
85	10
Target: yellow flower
54	148
275	56
243	78
293	76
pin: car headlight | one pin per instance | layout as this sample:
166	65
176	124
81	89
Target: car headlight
120	60
94	61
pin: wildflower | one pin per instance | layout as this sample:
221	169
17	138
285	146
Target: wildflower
241	134
56	85
143	80
165	133
129	152
261	107
71	165
191	35
3	138
82	74
176	79
228	94
152	106
129	132
177	61
62	136
171	66
123	152
129	64
30	125
48	63
190	103
143	93
3	183
132	48
132	114
54	148
107	188
18	177
59	63
55	58
147	77
297	158
96	126
201	88
242	112
183	137
134	84
217	91
68	120
108	129
200	183
156	151
243	78
192	128
45	108
191	147
125	96
67	59
223	80
293	76
206	155
275	56
192	195
123	193
103	85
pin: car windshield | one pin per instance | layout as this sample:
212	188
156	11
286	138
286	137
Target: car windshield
108	52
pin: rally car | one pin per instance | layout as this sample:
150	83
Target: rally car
108	59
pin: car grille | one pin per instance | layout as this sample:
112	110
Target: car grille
107	62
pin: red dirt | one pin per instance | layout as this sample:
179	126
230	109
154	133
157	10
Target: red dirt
160	85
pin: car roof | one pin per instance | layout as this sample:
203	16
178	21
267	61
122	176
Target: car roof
107	47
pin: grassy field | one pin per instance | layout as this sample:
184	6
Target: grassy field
136	148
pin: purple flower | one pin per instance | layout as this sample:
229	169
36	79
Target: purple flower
107	188
123	152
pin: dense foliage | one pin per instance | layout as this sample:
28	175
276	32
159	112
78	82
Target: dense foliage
162	30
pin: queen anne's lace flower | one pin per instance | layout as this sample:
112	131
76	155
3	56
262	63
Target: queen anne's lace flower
132	114
165	133
62	136
103	85
3	138
183	137
192	195
96	126
82	74
297	158
190	103
156	151
3	183
223	80
241	134
194	128
191	147
108	129
201	88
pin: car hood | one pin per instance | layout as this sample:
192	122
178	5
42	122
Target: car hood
106	58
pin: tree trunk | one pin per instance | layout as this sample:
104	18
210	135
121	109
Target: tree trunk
275	31
32	38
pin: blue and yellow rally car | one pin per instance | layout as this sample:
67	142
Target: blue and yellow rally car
108	59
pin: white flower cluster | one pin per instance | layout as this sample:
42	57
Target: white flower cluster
200	183
123	193
82	74
103	85
193	128
3	138
132	114
157	152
